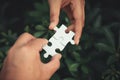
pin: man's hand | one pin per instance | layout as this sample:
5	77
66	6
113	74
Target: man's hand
23	61
75	12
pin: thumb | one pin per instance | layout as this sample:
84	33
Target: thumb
54	64
55	6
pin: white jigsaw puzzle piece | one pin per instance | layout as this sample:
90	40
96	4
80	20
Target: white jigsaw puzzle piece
58	41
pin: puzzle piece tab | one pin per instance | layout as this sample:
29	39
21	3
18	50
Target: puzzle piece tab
58	41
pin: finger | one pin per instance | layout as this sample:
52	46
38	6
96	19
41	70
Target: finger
69	13
77	7
37	44
65	3
55	6
54	64
78	14
23	39
78	32
70	28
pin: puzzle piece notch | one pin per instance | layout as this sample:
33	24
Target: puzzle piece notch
59	40
62	29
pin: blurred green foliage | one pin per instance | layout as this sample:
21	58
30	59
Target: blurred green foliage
97	57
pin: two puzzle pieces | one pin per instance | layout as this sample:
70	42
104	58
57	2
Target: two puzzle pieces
58	41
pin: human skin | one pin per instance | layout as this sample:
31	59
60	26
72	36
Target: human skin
23	60
75	12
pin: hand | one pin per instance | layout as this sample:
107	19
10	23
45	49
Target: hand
75	12
23	61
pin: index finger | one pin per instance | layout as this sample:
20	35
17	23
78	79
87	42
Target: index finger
55	6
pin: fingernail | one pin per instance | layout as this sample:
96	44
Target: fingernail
52	25
67	31
59	56
77	42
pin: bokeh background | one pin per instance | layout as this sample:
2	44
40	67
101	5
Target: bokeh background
97	57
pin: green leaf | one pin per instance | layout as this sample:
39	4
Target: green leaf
109	37
111	59
107	77
38	34
27	29
1	64
40	27
34	14
41	7
104	47
74	67
1	55
113	78
69	79
119	41
66	19
2	40
37	6
97	22
117	76
84	69
76	56
92	15
3	34
55	77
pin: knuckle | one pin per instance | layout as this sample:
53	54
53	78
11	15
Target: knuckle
42	40
11	50
25	33
45	40
25	48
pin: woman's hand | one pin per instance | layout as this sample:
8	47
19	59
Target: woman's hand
75	11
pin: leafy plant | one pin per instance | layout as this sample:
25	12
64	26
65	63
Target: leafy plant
96	57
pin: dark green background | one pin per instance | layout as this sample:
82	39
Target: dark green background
97	57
